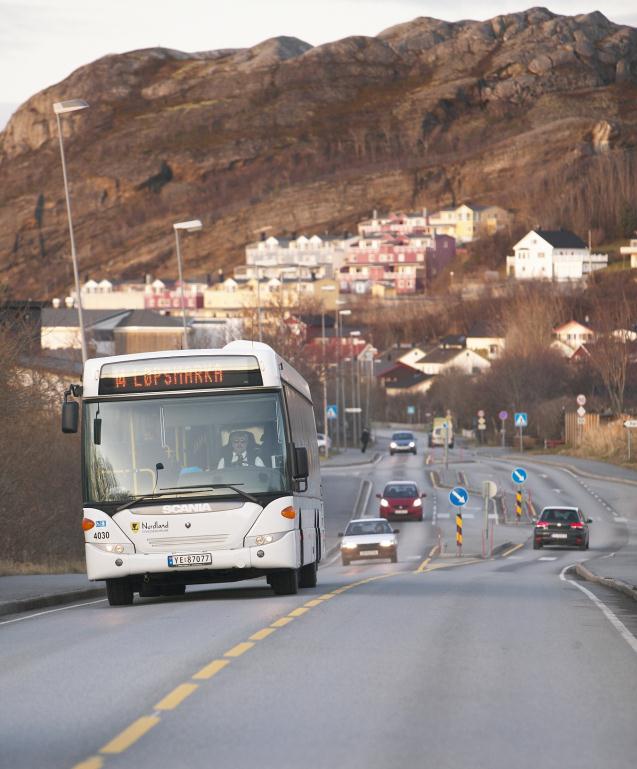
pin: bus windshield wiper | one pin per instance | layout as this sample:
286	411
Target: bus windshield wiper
136	500
241	493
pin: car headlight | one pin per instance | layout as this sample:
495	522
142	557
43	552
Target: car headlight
384	503
114	547
417	502
411	444
393	445
387	543
349	546
263	539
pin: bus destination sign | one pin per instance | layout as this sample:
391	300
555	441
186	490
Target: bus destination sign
197	372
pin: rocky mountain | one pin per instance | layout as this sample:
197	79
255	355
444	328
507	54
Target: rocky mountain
531	110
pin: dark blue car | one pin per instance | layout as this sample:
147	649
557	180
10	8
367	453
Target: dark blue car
402	442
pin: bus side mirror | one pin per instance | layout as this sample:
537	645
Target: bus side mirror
70	416
301	465
97	431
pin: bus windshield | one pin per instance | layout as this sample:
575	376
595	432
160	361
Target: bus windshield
179	445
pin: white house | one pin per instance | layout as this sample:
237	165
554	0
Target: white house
631	250
573	334
553	255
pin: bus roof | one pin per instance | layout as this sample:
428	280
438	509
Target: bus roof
274	369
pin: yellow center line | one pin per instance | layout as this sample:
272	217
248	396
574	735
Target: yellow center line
282	622
94	762
422	566
209	670
314	602
326	597
298	612
239	649
261	634
512	550
176	697
130	735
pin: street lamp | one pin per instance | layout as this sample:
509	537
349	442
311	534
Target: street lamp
192	226
340	382
324	370
61	108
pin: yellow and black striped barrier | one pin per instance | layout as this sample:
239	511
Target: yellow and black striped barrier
459	532
518	505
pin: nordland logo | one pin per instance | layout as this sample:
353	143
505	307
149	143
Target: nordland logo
134	526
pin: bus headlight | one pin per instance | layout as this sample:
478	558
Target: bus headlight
263	539
115	547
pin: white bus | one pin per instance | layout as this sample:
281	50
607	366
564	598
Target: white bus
198	466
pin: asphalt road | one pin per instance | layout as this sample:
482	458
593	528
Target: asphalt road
458	663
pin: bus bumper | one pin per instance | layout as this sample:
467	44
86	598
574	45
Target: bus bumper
282	554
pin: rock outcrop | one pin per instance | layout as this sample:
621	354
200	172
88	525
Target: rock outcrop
529	110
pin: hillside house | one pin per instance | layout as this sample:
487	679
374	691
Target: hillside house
573	334
553	255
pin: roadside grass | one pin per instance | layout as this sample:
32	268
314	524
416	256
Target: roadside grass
16	568
607	444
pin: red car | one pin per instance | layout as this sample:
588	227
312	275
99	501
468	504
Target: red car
401	499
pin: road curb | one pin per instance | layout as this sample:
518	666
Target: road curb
375	458
615	584
55	599
572	468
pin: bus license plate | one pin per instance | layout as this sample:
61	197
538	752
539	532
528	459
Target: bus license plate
190	559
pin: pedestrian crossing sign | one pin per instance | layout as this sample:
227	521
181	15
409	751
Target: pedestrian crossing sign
521	419
332	412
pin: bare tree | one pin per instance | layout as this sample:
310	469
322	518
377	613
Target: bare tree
610	353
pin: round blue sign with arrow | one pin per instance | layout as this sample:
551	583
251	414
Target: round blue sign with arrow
458	496
519	475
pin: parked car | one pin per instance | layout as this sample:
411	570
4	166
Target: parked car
401	499
324	442
561	526
369	538
402	442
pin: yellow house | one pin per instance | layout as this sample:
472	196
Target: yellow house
468	222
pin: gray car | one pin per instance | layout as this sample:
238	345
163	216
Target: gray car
369	538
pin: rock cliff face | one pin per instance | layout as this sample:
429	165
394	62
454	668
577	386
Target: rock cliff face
532	111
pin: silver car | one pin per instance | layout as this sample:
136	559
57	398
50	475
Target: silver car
369	538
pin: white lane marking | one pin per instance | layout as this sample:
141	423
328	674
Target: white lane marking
413	558
444	515
620	520
50	611
543	476
615	622
548	558
468	515
557	491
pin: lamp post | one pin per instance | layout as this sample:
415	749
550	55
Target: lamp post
341	380
61	108
323	362
356	398
191	226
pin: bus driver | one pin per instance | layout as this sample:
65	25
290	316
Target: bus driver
240	451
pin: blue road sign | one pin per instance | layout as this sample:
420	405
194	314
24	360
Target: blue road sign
521	419
332	411
458	496
519	475
411	409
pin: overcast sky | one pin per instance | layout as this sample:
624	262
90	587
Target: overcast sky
43	41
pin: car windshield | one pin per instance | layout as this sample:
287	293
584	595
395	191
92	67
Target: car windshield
403	436
367	527
556	515
152	446
401	490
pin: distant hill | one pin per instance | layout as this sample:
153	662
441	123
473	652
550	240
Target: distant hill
532	111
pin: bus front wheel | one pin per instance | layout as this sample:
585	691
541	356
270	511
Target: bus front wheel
285	582
119	592
308	575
